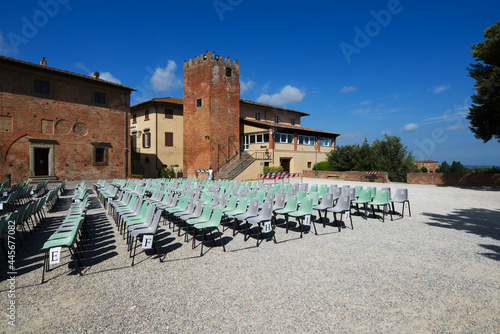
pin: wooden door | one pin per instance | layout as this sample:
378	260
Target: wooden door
285	163
41	161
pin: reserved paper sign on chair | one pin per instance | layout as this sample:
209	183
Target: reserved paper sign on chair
347	215
267	227
307	220
55	255
406	205
147	241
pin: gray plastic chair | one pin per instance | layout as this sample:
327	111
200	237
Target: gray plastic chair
253	209
150	230
265	215
343	206
326	203
401	196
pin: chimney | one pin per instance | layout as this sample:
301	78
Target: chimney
96	75
43	62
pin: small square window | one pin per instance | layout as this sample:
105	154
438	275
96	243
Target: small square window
257	116
100	153
309	164
292	121
276	119
198	103
169	113
134	118
229	72
42	87
99	98
146	115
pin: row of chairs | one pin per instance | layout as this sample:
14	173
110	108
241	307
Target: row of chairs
184	207
25	218
72	232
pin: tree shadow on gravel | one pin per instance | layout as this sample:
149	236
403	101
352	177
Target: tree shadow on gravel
482	222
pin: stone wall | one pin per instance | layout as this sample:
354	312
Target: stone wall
452	179
348	176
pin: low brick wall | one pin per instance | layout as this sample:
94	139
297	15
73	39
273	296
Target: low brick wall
452	179
348	176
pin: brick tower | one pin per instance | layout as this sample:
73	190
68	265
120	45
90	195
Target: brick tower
211	112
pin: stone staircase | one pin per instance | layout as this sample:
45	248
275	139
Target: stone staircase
237	167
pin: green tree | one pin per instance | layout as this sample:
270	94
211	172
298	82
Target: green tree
388	155
342	158
457	167
424	170
444	168
391	156
484	114
323	165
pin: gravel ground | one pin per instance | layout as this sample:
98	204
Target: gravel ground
437	271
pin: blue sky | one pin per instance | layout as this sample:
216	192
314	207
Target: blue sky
360	68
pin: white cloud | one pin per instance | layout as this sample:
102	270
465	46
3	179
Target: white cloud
455	127
378	112
386	132
449	116
246	86
364	103
288	94
266	86
440	89
108	77
347	135
4	47
410	127
348	89
164	79
82	67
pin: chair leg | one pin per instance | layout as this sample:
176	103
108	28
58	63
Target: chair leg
222	243
76	259
202	240
45	264
286	222
314	225
135	247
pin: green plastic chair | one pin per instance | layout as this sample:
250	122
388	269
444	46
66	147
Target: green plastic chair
313	189
323	189
364	198
300	196
68	239
290	206
358	190
210	225
381	199
306	208
373	191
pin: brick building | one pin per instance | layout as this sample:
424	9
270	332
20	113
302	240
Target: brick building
221	131
56	124
429	164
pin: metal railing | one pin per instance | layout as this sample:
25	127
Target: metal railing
262	155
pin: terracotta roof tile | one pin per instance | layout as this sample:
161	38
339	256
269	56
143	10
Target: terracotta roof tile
273	107
297	128
56	70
